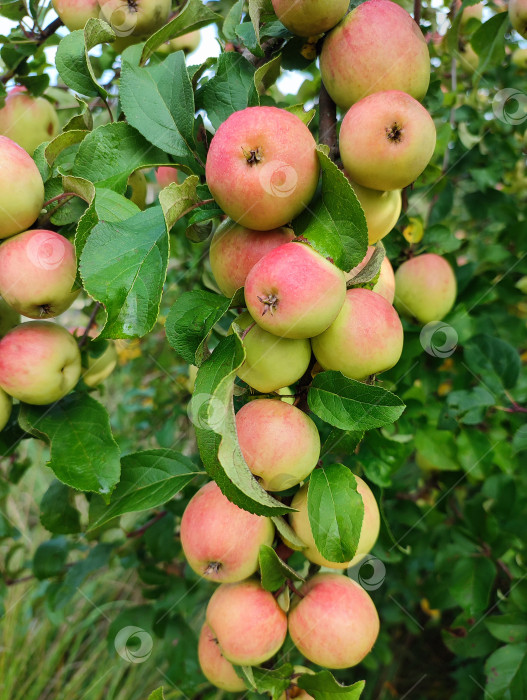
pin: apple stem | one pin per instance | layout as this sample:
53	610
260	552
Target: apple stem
250	327
89	325
294	589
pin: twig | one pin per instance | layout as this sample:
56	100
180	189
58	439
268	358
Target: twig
141	531
328	123
89	325
417	11
65	196
15	581
45	34
294	589
249	327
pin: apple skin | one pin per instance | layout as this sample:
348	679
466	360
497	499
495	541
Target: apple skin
138	189
28	120
425	288
75	13
234	251
39	362
518	16
37	273
165	175
519	58
470	12
187	43
9	318
6	404
385	285
468	58
386	140
262	167
135	18
21	189
376	47
365	339
221	541
271	363
368	535
247	621
294	292
279	442
335	624
381	209
214	665
310	17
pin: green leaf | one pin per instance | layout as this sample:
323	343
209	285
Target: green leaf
148	479
123	265
84	454
287	533
256	8
342	441
336	511
274	571
298	110
510	628
519	439
265	681
372	268
177	200
50	557
97	558
470	583
495	360
190	321
62	142
82	121
323	686
56	512
489	42
351	405
232	20
267	75
506	671
157	694
334	223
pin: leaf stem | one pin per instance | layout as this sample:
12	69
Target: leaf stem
141	530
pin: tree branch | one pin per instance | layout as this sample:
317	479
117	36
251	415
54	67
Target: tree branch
89	325
417	11
141	531
328	123
41	38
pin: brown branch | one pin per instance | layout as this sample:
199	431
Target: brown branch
328	123
89	325
294	589
45	34
141	531
417	11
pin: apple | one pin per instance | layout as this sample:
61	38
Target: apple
187	43
39	362
138	189
262	167
365	339
368	535
381	209
214	665
425	288
75	13
468	58
519	58
310	17
28	120
135	18
279	442
221	541
234	250
294	292
518	16
386	140
271	363
165	175
385	285
335	624
376	47
37	273
21	189
100	364
470	12
6	404
9	318
247	621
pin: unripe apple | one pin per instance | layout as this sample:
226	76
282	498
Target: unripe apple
425	288
378	46
221	541
214	665
21	189
368	535
9	318
247	621
470	12
234	251
468	58
28	120
165	175
365	339
262	167
37	273
135	18
335	624
294	292
187	43
279	442
75	13
385	285
310	17
519	58
138	189
6	404
100	365
386	140
39	362
518	16
271	363
381	209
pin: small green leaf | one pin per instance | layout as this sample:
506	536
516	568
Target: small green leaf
510	628
489	42
56	512
269	682
50	557
274	571
176	200
158	694
506	671
306	117
495	360
62	142
372	268
267	75
287	533
470	583
323	686
232	20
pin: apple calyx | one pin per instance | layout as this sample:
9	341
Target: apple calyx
270	303
394	133
253	156
212	568
132	5
45	310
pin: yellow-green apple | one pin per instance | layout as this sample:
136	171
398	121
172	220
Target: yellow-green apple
425	288
470	12
386	140
279	442
247	621
138	188
37	273
378	46
9	318
221	541
28	120
135	18
262	167
271	363
214	665
381	209
518	16
366	338
75	13
310	17
21	189
371	524
468	58
100	362
6	404
165	175
234	250
294	292
187	43
385	285
39	362
519	58
294	691
335	624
